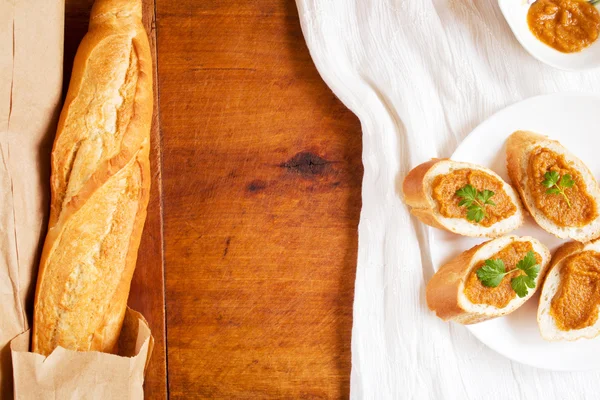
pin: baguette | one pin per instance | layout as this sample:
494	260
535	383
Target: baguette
100	182
576	305
418	194
446	294
523	145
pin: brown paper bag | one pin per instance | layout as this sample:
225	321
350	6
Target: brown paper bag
67	374
31	59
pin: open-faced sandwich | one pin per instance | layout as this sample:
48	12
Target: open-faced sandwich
488	281
569	304
462	198
559	191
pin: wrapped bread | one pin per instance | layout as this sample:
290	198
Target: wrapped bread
100	181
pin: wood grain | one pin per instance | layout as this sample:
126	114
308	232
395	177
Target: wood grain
147	288
261	187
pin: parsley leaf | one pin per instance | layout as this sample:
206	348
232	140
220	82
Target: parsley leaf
531	268
491	273
475	213
566	181
550	179
529	265
485	195
553	191
475	201
557	184
468	194
521	283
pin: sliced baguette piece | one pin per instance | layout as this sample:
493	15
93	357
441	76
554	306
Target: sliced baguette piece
417	190
518	148
445	291
552	284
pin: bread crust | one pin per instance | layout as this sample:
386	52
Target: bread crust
413	189
100	182
443	290
563	252
415	192
516	146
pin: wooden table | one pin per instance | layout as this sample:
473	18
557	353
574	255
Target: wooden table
251	236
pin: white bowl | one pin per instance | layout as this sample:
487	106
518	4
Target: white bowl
515	13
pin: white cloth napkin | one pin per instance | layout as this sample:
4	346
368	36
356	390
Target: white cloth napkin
421	75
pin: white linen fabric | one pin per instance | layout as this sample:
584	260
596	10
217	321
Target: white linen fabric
420	75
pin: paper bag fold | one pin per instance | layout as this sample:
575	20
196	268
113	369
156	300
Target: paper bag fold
31	61
67	374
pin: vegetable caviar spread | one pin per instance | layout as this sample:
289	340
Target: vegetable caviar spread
501	295
580	208
575	304
566	25
444	193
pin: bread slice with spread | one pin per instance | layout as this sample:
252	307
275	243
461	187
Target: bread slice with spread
463	198
570	300
557	188
490	280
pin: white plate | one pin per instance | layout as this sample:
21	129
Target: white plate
515	13
574	120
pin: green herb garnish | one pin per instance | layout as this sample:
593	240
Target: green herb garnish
531	269
557	184
493	271
475	201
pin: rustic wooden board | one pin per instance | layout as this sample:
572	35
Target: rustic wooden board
147	290
261	188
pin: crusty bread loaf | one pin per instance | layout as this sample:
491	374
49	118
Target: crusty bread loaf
417	190
518	148
445	291
100	181
552	283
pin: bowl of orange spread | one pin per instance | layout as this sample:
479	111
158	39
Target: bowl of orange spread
561	33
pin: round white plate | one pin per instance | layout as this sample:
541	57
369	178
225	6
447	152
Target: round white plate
515	13
574	120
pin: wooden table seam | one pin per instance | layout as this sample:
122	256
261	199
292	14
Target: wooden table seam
154	28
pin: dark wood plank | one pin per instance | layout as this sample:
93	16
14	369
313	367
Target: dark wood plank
147	289
261	187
